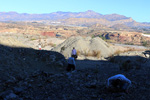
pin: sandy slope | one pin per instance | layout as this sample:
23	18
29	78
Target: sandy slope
30	41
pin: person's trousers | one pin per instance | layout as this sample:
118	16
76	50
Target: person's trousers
70	67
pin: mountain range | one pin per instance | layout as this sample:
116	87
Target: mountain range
74	18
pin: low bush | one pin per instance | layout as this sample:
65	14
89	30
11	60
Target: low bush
93	53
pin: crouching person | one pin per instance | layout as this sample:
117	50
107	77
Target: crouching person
118	83
71	64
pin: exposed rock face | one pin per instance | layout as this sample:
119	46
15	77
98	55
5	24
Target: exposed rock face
52	34
87	83
17	64
28	74
85	45
9	41
128	62
20	59
126	37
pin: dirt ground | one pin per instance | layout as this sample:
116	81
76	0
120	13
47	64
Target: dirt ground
87	83
140	80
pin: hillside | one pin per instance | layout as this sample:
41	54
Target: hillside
31	74
103	21
85	47
33	31
28	74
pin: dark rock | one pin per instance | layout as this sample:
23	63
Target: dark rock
91	85
5	93
18	90
11	96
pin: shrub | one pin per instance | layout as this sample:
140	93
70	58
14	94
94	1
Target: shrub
33	39
78	52
96	53
54	45
93	53
93	36
104	38
145	43
89	53
62	49
117	52
128	43
51	44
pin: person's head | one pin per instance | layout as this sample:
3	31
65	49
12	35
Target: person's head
73	47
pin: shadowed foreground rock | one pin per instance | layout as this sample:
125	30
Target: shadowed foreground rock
41	75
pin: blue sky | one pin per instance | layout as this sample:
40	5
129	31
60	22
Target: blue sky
137	9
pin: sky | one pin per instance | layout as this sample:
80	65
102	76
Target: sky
136	9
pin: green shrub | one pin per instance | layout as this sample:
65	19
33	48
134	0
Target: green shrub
102	37
145	43
33	39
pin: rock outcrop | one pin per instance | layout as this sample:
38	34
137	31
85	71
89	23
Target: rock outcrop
9	41
85	46
127	37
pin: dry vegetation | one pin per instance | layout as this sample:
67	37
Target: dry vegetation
117	52
93	53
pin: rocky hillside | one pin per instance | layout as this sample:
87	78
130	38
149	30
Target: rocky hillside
85	47
28	74
132	38
9	41
81	18
91	21
29	58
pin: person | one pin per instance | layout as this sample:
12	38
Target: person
74	53
39	46
71	64
119	83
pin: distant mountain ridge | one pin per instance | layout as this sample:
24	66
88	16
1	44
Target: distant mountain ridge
90	16
5	16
